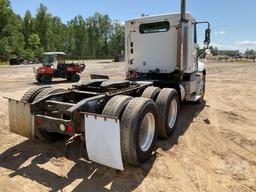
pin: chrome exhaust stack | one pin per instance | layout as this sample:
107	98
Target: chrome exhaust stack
180	39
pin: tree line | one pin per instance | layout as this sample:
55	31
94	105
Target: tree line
225	54
28	37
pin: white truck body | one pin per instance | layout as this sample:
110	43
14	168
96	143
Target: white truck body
151	44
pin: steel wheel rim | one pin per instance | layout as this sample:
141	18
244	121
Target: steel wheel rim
172	115
147	131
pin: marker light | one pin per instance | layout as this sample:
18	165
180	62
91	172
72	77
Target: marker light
62	127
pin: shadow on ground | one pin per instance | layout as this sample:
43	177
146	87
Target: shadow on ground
94	177
188	112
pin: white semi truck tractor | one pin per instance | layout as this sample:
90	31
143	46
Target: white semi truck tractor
120	120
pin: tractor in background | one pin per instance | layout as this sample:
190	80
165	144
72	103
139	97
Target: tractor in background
54	66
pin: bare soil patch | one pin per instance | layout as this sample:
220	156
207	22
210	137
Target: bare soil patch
214	148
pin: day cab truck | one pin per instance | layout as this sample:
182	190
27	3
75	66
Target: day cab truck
120	120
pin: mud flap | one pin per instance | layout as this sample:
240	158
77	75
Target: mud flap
102	136
21	121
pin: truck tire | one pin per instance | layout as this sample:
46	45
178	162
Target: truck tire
151	92
116	105
138	130
31	94
46	79
48	91
42	134
75	77
167	103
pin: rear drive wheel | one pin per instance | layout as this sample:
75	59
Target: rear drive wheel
151	92
48	91
42	134
46	79
116	106
168	106
138	130
31	94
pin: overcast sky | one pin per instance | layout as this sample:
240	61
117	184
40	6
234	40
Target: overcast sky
233	21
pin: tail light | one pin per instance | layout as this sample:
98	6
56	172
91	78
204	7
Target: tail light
38	121
133	74
70	129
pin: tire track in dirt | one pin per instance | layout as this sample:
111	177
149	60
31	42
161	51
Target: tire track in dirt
232	165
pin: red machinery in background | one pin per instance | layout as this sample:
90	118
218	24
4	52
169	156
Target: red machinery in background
54	66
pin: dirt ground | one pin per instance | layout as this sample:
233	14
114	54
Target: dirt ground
213	149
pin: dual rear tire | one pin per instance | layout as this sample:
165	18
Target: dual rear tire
137	126
167	102
142	120
168	106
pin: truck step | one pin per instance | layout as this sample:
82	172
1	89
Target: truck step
193	98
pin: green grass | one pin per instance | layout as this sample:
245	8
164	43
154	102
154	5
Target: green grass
4	64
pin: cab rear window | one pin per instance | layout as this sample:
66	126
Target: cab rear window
156	27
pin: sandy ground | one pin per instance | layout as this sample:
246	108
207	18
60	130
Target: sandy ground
213	149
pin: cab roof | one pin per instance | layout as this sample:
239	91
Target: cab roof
160	16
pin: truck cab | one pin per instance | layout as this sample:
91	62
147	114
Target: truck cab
156	51
151	44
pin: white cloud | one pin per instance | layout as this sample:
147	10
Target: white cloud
220	32
238	45
119	22
246	43
225	47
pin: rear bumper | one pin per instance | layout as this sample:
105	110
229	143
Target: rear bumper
23	122
54	125
102	133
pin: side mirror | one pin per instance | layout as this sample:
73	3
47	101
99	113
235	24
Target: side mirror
207	39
